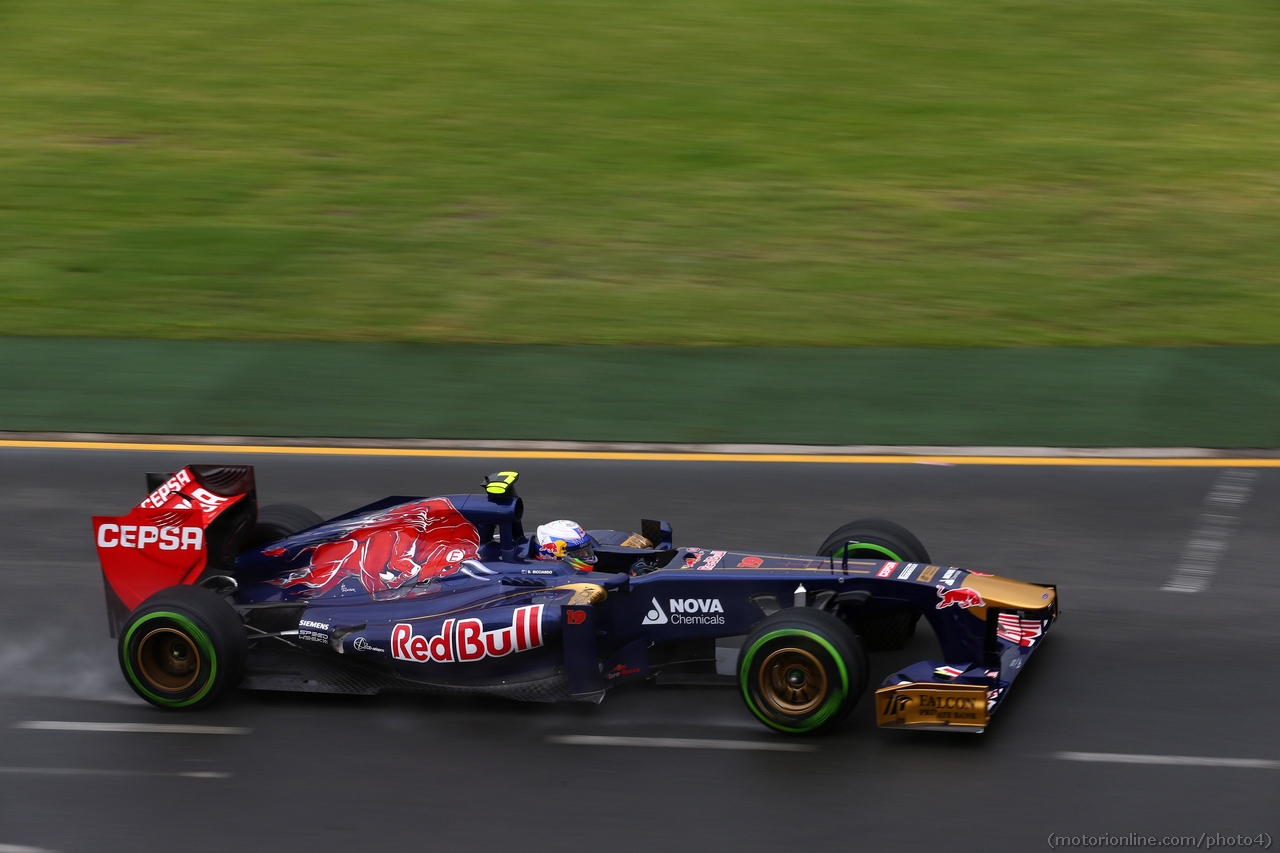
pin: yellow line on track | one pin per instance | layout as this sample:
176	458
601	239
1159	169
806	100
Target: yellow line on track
837	459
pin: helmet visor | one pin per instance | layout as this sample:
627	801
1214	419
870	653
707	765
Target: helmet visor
583	553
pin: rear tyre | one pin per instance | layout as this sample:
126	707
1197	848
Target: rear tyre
802	671
874	539
277	521
184	647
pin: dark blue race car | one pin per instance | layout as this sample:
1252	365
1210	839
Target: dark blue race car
207	592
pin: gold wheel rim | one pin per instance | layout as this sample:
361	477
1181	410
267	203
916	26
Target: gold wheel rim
169	660
792	682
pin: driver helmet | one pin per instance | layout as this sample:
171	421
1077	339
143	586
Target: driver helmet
565	540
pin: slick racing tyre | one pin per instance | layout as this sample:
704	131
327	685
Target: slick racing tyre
183	647
801	671
874	539
877	539
277	521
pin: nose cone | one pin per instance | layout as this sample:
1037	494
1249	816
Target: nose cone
1011	594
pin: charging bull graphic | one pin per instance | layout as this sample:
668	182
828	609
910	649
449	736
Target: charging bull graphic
963	596
407	544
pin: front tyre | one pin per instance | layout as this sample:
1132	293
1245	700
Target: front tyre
802	671
877	539
184	647
874	539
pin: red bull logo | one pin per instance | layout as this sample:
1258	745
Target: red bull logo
408	544
466	640
964	597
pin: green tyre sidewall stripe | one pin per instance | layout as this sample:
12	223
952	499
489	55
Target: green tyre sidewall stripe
828	708
201	640
869	546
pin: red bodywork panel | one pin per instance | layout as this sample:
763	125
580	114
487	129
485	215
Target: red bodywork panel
165	540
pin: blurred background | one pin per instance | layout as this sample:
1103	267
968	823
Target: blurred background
815	222
658	178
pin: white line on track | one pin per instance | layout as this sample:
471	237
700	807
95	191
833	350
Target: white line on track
18	848
1179	760
1212	534
148	728
91	771
679	743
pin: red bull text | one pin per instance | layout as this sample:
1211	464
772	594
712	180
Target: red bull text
466	640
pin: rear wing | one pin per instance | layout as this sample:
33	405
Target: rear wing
189	527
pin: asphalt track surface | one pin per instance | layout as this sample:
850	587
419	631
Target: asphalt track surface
1129	669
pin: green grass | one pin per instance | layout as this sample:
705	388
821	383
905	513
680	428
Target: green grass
798	172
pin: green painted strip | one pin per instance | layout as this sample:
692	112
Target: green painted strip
1117	397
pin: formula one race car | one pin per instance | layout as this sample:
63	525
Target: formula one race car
206	592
